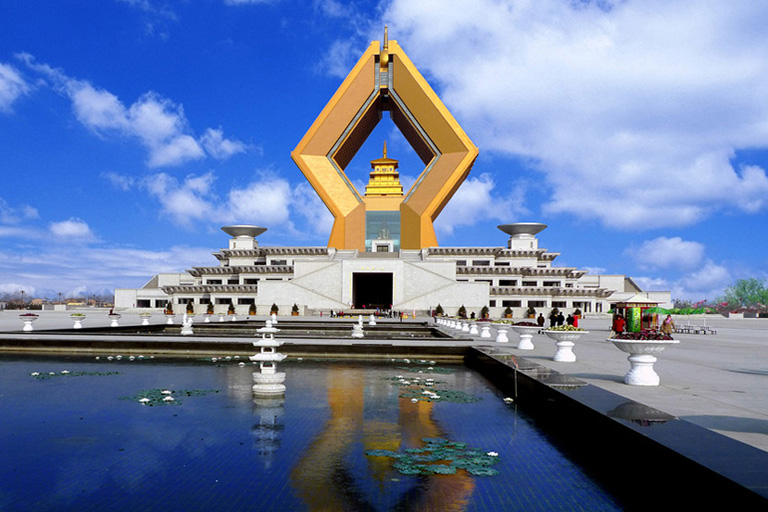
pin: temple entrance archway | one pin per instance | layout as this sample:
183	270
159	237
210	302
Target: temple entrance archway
372	290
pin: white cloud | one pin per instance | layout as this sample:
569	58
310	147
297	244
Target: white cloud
665	253
159	123
632	110
72	230
15	215
12	86
708	282
184	202
268	200
218	147
475	201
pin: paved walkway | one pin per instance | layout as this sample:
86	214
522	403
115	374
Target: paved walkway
719	382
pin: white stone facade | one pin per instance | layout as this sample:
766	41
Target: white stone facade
322	279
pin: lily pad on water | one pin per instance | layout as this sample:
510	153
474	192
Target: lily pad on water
439	395
152	397
65	373
440	457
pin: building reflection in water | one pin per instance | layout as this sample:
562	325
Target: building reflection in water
323	477
268	430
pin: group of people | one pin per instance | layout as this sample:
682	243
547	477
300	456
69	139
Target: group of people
620	324
556	319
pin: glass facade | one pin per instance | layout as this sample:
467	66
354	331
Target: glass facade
382	225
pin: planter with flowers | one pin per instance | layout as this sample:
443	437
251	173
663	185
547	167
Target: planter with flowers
78	318
525	330
642	347
145	318
28	318
114	317
564	337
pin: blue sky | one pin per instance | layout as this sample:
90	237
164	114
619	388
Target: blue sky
132	130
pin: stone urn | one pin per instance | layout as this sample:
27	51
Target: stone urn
28	318
113	318
525	332
485	331
222	316
565	342
501	333
207	318
145	318
642	355
78	318
170	317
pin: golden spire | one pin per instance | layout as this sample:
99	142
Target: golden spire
385	149
384	57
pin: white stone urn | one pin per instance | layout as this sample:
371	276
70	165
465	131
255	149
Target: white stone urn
170	317
145	318
207	318
565	342
485	331
525	332
221	316
473	329
28	318
371	320
114	317
642	355
78	318
501	333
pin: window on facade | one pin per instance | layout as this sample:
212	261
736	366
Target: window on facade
234	280
481	263
461	263
511	303
213	281
507	282
559	304
484	281
143	303
246	301
279	262
250	281
551	283
223	301
502	263
537	303
529	283
492	304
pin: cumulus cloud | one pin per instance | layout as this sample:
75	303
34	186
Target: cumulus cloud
157	122
12	86
632	111
476	201
268	200
72	229
667	253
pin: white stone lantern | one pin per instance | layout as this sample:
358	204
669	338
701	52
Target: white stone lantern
268	381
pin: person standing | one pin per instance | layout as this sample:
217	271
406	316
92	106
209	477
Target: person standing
668	325
618	324
540	320
569	320
560	319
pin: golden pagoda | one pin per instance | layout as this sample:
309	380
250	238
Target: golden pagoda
385	178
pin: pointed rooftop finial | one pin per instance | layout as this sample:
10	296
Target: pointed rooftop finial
386	38
385	149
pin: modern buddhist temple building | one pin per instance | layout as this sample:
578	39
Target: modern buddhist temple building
382	251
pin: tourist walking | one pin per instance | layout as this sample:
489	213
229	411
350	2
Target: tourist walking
668	325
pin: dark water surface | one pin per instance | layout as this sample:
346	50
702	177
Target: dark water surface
80	442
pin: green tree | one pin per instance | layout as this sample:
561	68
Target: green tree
746	293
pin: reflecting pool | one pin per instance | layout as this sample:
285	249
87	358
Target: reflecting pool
83	440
